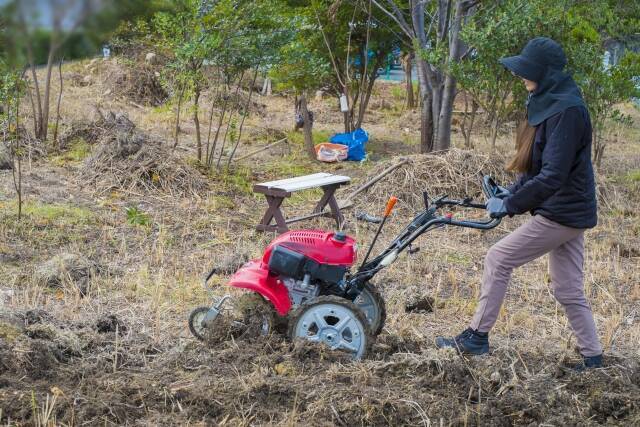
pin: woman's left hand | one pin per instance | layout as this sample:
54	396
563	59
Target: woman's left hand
502	192
496	207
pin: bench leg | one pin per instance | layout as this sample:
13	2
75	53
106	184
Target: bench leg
328	198
273	212
328	194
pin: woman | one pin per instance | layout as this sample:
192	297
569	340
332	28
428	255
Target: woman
557	186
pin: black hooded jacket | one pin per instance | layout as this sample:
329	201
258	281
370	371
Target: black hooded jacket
560	185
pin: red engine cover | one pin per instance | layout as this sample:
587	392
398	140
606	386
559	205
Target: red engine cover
319	245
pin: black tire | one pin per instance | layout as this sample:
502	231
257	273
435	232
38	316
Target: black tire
195	316
297	315
381	308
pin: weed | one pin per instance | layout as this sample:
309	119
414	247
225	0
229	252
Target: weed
398	92
318	136
458	258
44	214
137	217
9	332
219	201
237	179
633	176
78	151
290	166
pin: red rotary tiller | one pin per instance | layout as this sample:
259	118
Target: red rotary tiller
305	279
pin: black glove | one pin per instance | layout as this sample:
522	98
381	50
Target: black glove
496	207
502	192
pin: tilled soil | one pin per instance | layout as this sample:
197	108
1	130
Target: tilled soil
103	371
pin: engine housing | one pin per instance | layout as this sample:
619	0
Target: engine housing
325	256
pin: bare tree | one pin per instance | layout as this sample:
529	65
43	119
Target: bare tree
356	83
427	32
12	138
245	113
66	17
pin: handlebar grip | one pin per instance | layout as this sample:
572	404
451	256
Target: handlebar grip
489	186
390	204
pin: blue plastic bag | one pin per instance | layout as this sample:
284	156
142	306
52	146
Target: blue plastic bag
356	142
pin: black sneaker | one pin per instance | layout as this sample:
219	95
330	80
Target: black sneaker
468	342
590	362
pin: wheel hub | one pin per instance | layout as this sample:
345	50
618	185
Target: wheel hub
335	325
328	335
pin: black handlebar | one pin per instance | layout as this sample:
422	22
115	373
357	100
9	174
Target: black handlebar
422	223
489	188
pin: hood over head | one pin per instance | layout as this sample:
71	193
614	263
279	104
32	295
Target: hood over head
542	60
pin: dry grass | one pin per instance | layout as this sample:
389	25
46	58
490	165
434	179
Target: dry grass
122	353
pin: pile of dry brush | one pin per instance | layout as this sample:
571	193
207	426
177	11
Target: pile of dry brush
125	158
136	81
456	173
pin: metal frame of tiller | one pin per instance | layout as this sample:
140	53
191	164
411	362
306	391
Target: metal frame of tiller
423	222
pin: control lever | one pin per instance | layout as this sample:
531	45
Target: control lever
425	197
387	211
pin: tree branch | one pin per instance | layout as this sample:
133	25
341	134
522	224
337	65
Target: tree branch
398	19
326	42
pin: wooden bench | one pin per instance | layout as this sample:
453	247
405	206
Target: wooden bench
277	191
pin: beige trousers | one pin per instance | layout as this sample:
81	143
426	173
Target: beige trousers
533	239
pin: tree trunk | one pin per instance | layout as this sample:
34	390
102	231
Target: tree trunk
408	72
598	148
426	126
468	119
426	114
16	153
236	108
494	131
443	141
436	101
44	129
307	128
55	127
177	128
211	154
37	114
196	121
366	97
266	87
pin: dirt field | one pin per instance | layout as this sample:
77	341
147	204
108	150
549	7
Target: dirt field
98	278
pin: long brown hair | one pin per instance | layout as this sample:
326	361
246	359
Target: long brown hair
521	161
